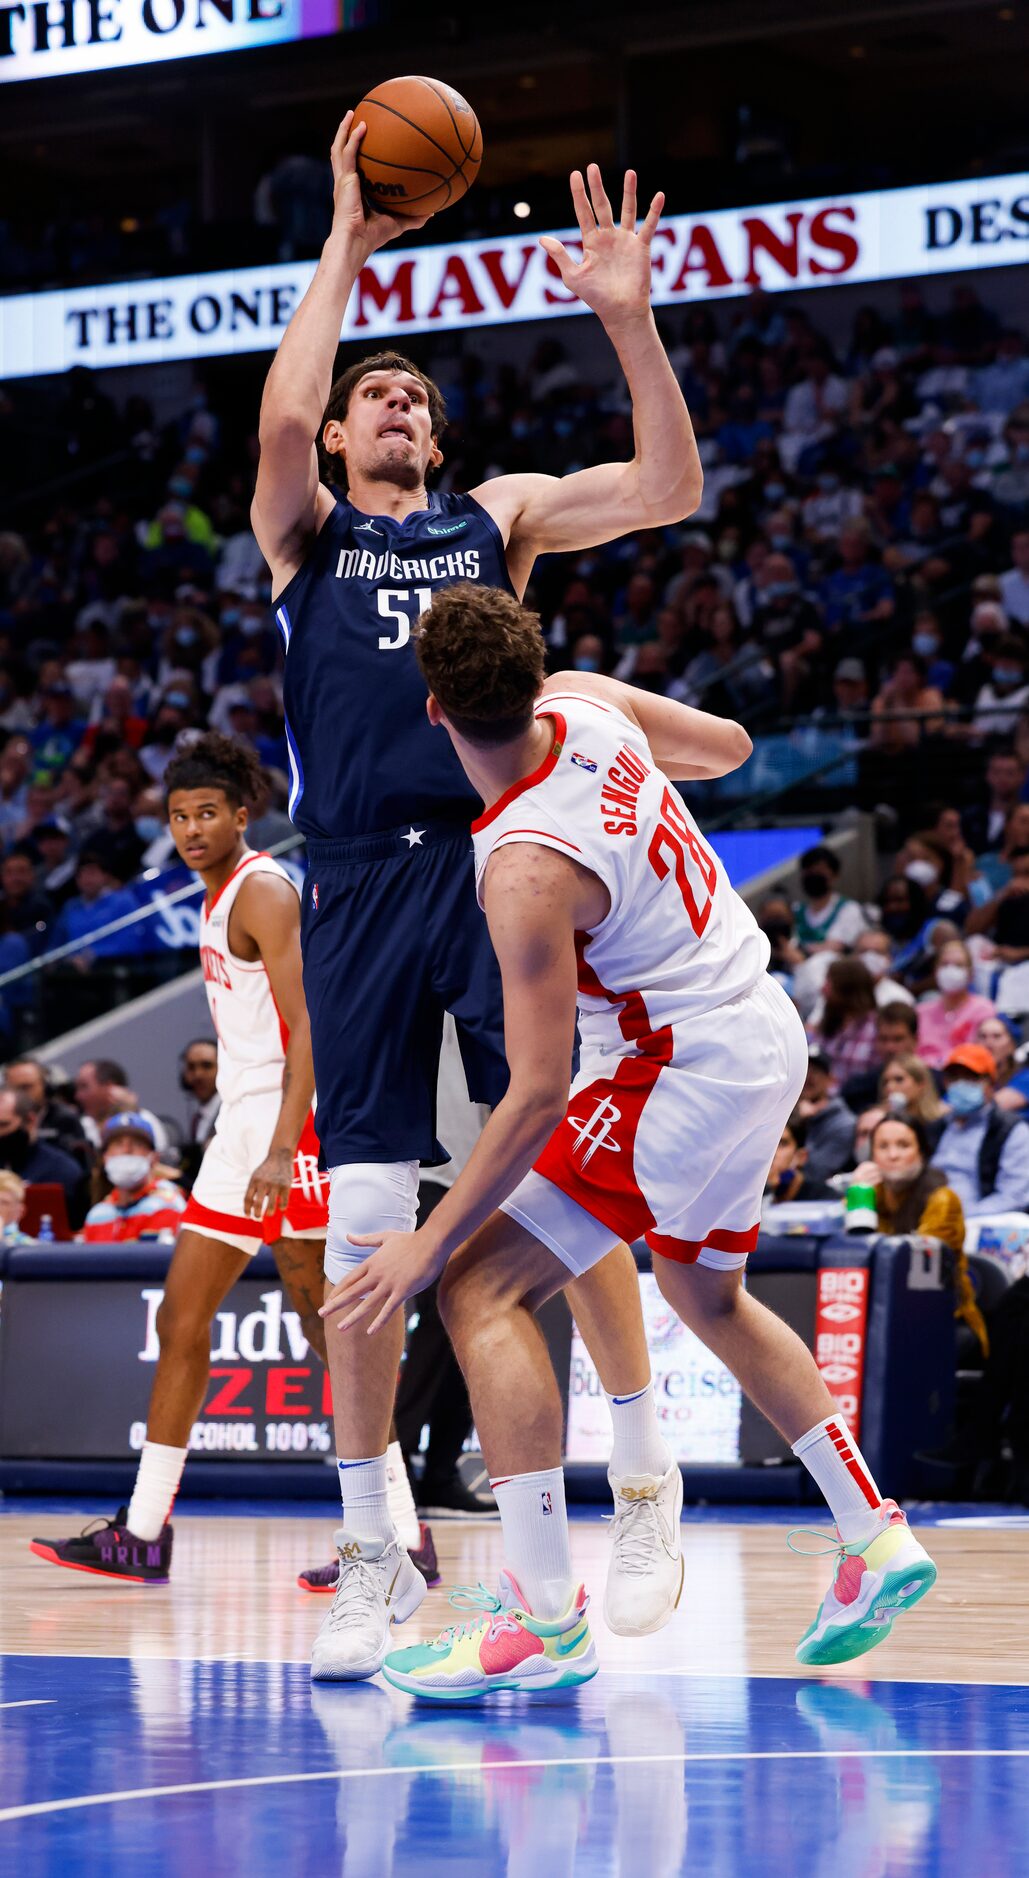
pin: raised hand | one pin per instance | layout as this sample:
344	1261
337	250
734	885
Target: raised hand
351	217
613	276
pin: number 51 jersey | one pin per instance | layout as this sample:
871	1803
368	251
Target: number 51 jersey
678	940
363	756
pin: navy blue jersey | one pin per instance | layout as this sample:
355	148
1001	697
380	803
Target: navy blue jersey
363	755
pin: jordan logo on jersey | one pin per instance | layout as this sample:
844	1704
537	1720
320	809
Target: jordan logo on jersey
596	1132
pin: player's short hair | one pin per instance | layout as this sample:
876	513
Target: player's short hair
332	467
483	658
216	762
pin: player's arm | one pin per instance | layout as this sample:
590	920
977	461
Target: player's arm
664	481
688	745
267	913
530	898
290	503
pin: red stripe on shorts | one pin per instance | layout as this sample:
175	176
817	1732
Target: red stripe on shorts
198	1215
687	1251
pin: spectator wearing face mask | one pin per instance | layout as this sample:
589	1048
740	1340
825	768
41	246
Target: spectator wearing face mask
174	715
824	918
141	1203
875	951
951	1017
1003	698
906	917
983	1152
928	862
914	1197
927	642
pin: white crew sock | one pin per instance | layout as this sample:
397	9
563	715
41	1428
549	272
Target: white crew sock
157	1483
401	1499
836	1465
638	1446
364	1491
535	1526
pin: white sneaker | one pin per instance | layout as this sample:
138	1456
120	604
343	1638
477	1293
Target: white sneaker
378	1585
645	1576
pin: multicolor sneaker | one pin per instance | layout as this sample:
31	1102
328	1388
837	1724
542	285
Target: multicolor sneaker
873	1582
506	1647
324	1578
645	1576
107	1548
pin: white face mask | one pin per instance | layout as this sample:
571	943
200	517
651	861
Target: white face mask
127	1170
952	977
902	1176
923	873
876	963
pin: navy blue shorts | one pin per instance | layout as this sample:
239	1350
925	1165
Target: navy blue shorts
393	938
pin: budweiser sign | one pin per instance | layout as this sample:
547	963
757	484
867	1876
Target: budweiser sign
831	242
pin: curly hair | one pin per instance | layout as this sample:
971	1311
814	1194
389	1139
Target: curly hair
217	762
483	658
332	467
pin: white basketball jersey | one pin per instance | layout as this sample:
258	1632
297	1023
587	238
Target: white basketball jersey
678	940
252	1036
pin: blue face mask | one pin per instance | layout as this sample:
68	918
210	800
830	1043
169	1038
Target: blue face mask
828	482
148	827
1006	675
780	590
965	1098
774	492
180	487
782	542
925	645
586	664
230	616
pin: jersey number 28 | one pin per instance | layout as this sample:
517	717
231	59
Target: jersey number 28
400	607
674	837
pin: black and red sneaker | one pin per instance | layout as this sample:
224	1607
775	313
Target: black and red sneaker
323	1578
107	1548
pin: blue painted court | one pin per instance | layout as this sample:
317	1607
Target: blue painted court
180	1728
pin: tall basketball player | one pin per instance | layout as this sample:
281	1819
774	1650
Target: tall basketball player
391	935
599	888
258	1182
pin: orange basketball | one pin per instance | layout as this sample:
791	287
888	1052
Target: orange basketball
422	147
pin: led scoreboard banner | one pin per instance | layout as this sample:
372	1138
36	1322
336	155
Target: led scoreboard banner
58	38
837	241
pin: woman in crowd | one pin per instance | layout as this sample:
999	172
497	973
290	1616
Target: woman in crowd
846	1031
907	1089
1002	1037
953	1015
913	1197
906	916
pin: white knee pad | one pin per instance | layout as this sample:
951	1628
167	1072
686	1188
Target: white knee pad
367	1196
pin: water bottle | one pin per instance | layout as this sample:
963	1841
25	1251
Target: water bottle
45	1235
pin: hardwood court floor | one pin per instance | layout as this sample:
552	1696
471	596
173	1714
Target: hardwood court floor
178	1725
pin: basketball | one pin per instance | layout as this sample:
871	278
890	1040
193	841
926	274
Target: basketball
422	148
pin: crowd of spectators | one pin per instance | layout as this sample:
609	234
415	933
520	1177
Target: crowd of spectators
86	1153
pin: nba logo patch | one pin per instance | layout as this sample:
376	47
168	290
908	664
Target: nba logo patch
584	762
314	896
546	1503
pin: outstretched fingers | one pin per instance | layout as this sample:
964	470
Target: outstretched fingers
653	216
582	205
602	207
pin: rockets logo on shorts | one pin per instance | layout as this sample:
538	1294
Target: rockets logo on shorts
313	1184
596	1131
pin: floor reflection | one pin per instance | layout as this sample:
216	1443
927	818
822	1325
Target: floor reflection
630	1775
